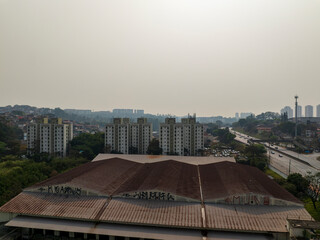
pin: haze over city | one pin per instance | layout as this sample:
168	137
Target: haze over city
176	57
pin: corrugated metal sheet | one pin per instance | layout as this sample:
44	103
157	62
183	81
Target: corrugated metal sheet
105	228
55	206
221	180
180	214
156	213
251	218
116	176
178	178
104	176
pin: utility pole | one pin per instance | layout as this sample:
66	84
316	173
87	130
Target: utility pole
289	166
296	118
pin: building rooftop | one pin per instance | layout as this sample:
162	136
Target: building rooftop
219	181
222	196
159	158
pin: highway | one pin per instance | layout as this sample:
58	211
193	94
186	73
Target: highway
282	163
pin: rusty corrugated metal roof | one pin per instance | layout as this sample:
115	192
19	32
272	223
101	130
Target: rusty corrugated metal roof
116	176
103	176
220	180
169	176
166	213
155	213
251	218
53	205
101	228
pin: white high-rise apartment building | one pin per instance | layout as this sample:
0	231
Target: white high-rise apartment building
185	138
299	111
127	138
318	110
49	136
308	111
246	114
287	110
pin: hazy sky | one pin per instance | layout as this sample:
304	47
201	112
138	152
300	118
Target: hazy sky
210	57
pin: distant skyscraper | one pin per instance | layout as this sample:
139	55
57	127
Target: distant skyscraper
299	112
237	115
287	110
309	111
318	110
245	115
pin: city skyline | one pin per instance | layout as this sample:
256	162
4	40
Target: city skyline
166	57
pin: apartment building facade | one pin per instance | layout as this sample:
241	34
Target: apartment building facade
126	137
309	111
184	139
49	136
288	110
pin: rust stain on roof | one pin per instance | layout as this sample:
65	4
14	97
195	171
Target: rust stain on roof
54	205
252	218
225	179
156	213
169	176
116	176
102	176
174	214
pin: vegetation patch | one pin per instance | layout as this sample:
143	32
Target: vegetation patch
274	175
315	213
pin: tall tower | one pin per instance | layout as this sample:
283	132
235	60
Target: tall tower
296	117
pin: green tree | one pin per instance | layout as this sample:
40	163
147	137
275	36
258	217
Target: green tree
224	135
255	151
255	154
313	190
3	148
154	147
87	145
133	150
301	183
11	136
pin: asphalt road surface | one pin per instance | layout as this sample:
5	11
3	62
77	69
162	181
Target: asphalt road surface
285	164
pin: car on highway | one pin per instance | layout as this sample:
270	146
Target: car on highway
280	155
276	147
272	152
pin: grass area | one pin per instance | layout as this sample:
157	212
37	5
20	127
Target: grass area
315	213
273	174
